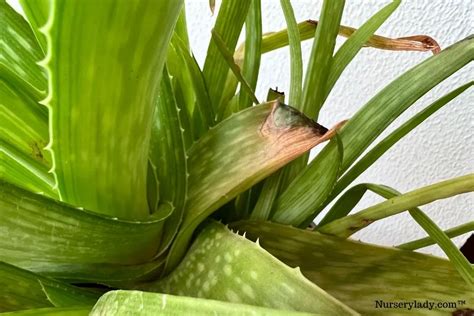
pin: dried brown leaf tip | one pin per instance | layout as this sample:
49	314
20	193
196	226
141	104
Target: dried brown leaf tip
292	131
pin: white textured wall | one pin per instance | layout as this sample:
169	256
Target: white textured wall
439	149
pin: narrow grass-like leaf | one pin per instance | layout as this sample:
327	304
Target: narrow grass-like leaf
168	155
22	289
320	61
229	23
260	140
227	55
239	271
129	302
350	199
47	236
348	225
383	146
356	41
99	135
370	121
362	274
253	43
296	66
428	241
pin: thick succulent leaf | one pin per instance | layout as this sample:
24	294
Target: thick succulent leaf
189	73
24	171
20	53
53	311
348	225
428	241
168	157
49	237
22	289
352	196
360	274
229	23
101	98
384	145
133	302
238	153
37	12
239	271
371	120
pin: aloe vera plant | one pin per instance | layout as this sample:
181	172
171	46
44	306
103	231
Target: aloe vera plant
133	181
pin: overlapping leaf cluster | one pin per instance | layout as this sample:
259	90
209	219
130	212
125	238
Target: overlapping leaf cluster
117	150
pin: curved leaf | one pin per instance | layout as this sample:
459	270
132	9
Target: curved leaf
238	153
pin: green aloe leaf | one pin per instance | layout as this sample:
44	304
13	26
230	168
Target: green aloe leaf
370	121
24	128
49	237
99	135
238	153
201	111
428	241
348	225
361	274
22	289
24	171
383	146
229	23
168	157
132	302
352	196
239	271
37	12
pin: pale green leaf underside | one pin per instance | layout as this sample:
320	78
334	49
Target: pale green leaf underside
22	289
358	274
101	120
142	303
46	236
225	266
